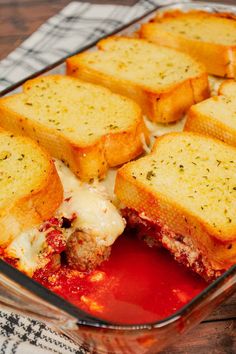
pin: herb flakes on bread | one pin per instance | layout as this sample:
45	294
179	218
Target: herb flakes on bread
30	187
208	37
216	116
187	188
163	81
85	125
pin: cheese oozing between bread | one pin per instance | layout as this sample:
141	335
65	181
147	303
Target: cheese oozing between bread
86	208
187	185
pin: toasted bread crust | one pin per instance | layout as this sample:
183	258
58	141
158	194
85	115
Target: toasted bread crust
227	88
207	124
177	13
114	84
219	59
219	249
87	161
162	105
38	204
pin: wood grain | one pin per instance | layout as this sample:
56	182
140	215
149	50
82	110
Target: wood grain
218	337
20	18
226	310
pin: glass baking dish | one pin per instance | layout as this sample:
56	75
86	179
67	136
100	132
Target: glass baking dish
23	295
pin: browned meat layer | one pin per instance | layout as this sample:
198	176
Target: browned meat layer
181	247
83	252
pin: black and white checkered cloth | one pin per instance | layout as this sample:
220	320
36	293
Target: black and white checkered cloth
77	25
21	335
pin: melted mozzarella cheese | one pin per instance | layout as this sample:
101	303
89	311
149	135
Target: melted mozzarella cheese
27	247
107	185
214	83
158	129
96	214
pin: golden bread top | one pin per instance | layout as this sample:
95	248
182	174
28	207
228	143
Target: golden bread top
140	62
200	26
24	168
228	88
221	108
81	112
194	172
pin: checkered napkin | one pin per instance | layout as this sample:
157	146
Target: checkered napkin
21	335
75	26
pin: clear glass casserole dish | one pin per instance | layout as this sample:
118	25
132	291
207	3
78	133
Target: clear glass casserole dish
25	296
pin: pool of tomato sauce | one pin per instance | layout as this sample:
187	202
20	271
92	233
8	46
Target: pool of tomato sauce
137	284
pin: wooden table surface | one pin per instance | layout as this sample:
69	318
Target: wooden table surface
18	19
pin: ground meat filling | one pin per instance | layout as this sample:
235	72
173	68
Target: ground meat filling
181	247
83	252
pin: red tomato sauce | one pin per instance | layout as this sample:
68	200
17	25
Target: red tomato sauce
137	284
